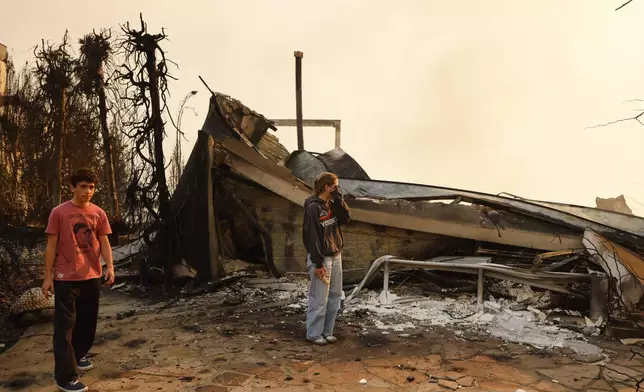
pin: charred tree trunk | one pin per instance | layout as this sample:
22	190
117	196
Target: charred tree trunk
107	149
58	148
159	172
145	73
15	172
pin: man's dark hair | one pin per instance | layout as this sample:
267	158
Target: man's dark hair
86	175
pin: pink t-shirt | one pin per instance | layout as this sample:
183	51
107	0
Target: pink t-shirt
78	253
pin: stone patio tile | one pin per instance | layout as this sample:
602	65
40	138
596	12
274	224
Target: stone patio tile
572	376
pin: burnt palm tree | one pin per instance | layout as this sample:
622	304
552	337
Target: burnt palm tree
95	53
55	71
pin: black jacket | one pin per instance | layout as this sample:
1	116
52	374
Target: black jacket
321	229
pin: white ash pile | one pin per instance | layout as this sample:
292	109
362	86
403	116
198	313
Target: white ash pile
388	311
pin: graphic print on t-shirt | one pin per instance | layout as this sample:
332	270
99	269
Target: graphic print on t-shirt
83	226
84	236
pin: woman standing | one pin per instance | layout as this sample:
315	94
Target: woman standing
323	214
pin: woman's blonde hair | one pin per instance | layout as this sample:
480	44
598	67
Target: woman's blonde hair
323	180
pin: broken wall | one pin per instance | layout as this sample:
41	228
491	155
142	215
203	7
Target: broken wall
189	205
363	242
616	204
270	146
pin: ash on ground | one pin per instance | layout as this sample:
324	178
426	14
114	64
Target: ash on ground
390	312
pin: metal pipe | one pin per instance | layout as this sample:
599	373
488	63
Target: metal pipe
479	291
298	99
502	269
547	280
385	284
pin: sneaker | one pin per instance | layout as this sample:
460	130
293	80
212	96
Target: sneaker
319	341
330	339
84	364
74	386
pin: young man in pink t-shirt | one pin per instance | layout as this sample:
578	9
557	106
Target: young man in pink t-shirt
76	239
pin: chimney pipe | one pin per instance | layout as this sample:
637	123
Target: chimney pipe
298	99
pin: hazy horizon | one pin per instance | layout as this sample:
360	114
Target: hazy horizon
495	96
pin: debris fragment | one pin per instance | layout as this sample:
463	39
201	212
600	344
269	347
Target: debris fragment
363	381
453	376
466	381
540	315
448	384
631	341
129	313
486	318
619	263
265	306
118	286
616	204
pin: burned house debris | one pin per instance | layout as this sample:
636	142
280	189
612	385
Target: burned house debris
617	204
419	261
241	197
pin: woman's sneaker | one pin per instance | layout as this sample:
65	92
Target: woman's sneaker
330	339
319	341
74	386
84	364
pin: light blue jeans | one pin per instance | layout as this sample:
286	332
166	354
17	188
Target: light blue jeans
324	300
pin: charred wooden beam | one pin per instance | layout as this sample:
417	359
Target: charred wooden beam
213	244
193	209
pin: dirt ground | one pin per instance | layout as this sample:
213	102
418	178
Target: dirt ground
186	346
